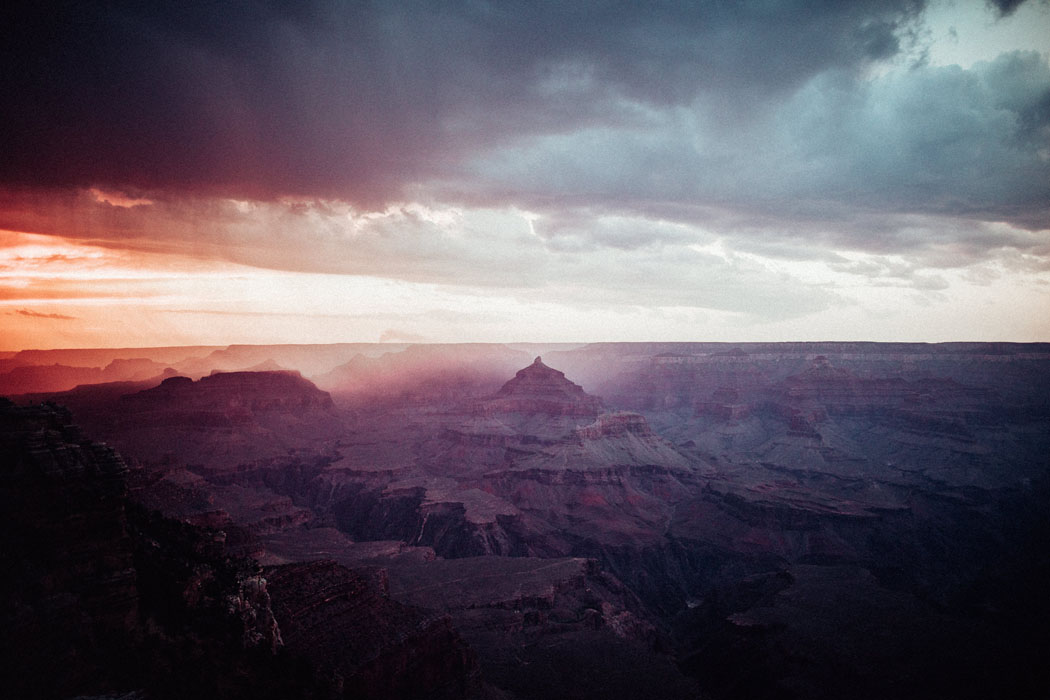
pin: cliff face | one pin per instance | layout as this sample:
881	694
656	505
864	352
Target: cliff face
616	425
563	620
101	597
345	623
68	591
235	395
219	421
508	475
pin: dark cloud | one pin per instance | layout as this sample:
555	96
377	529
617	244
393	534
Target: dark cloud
1005	7
356	100
37	314
937	141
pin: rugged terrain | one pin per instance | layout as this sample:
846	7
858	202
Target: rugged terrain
772	520
102	597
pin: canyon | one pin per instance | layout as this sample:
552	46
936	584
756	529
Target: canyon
795	520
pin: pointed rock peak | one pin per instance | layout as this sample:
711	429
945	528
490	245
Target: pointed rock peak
820	367
538	377
539	368
542	389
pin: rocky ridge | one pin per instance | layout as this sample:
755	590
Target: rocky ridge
541	389
222	420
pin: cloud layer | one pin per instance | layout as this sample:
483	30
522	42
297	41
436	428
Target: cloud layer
742	105
744	158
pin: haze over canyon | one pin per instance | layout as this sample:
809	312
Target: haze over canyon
694	520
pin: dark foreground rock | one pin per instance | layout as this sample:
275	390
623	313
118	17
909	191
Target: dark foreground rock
100	597
548	627
345	623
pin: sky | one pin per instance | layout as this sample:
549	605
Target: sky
267	172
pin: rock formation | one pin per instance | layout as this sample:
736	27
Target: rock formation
540	389
223	420
234	394
101	598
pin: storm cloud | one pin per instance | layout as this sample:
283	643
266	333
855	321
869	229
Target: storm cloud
751	106
357	100
665	154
